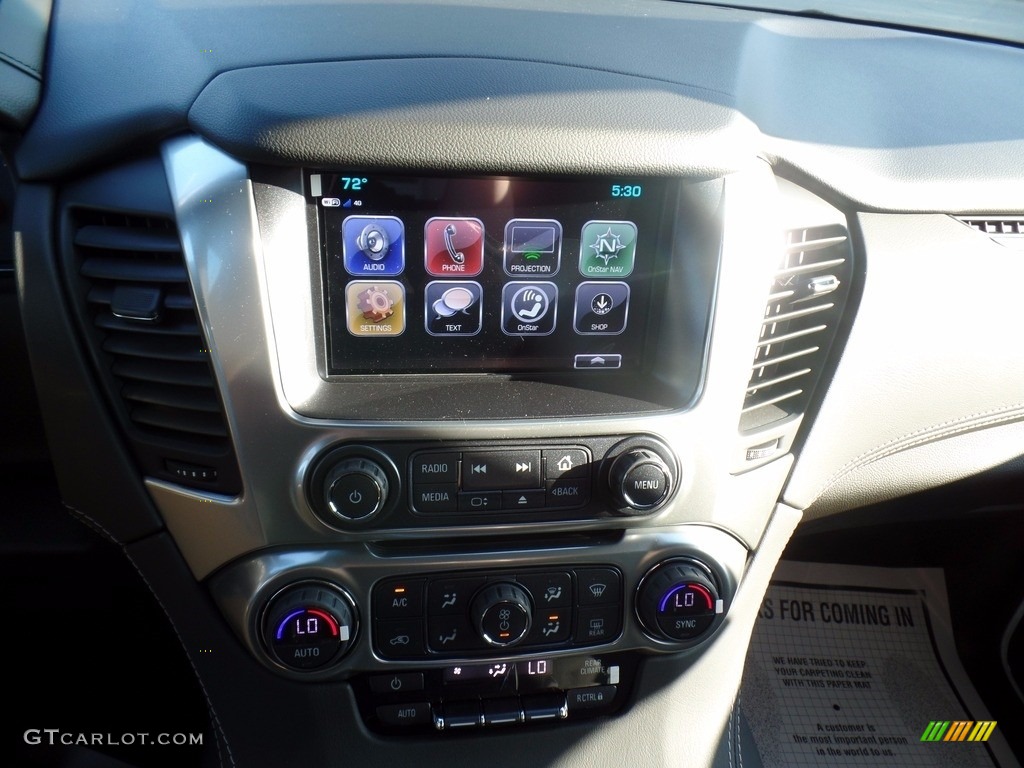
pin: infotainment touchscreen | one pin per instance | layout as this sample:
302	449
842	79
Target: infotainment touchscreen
489	274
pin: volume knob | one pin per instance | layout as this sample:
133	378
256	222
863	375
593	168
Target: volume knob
355	489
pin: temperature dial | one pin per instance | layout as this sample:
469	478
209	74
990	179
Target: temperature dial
678	601
502	613
309	626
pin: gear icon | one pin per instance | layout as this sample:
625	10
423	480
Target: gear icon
375	304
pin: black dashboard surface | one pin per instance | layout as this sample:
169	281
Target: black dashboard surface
812	87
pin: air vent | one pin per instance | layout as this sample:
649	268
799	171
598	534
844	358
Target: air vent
807	297
1005	230
150	347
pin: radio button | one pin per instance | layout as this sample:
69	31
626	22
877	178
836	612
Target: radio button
435	468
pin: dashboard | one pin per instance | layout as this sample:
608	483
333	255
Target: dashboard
459	371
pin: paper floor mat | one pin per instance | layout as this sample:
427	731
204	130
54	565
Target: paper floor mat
854	666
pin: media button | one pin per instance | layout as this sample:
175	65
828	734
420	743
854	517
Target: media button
434	499
601	308
528	308
533	247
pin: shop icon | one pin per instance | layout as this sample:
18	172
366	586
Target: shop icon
601	308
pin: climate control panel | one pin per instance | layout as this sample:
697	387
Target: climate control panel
525	610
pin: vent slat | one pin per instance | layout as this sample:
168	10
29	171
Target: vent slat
126	239
120	269
174	299
183	398
145	369
815	245
782	317
186	327
170	348
774	400
779	339
766	383
801	269
785	358
185	422
140	271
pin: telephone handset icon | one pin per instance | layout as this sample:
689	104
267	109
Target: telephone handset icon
457	256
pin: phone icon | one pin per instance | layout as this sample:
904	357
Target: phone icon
457	256
453	247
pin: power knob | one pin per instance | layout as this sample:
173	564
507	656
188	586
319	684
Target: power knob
355	489
640	481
